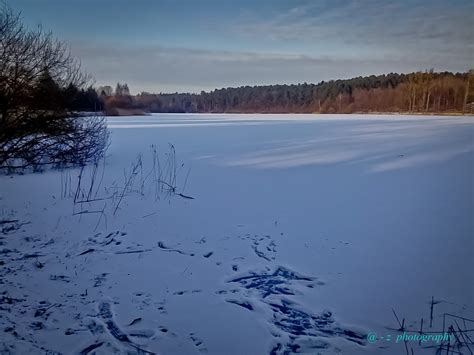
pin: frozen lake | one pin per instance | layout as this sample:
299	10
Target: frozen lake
305	234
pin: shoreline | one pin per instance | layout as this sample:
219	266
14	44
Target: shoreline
144	113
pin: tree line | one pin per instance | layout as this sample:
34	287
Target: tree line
50	95
418	92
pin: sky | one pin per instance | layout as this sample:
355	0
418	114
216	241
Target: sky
190	45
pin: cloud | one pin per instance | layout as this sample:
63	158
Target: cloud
365	26
300	41
156	69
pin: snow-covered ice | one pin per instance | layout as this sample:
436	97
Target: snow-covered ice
305	233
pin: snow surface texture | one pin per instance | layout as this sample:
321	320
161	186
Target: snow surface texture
304	234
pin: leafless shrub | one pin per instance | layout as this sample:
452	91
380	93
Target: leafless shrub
37	127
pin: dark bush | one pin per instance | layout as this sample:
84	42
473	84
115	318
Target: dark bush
39	124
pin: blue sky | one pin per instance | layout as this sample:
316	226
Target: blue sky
177	45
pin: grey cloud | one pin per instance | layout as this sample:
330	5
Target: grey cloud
382	25
334	39
156	69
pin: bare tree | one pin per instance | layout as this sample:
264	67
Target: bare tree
470	75
36	125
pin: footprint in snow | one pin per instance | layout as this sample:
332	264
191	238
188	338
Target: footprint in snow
198	343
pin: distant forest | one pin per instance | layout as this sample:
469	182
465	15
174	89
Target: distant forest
420	92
